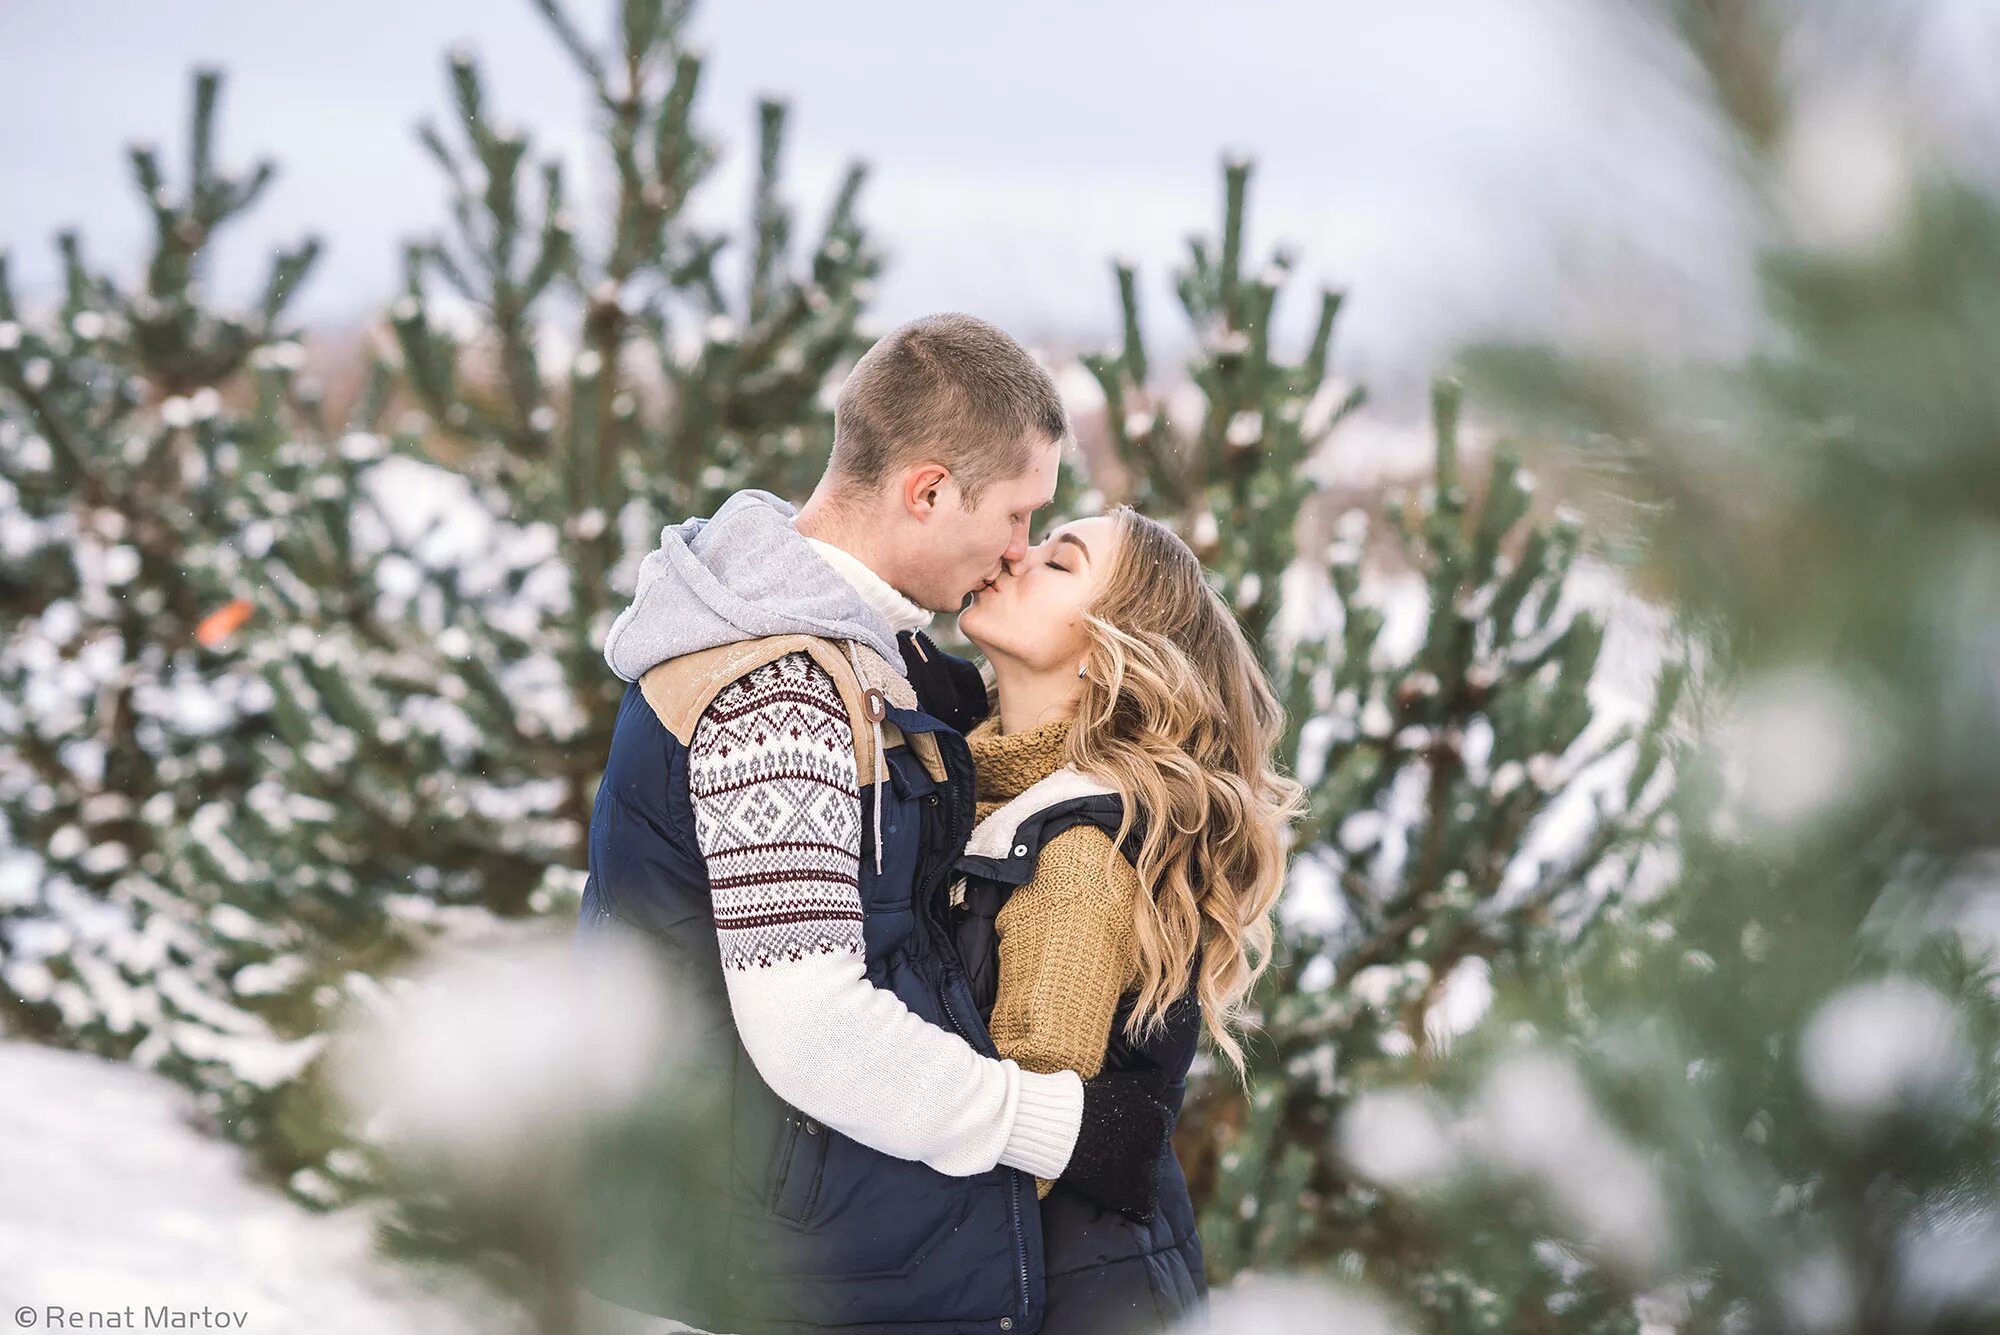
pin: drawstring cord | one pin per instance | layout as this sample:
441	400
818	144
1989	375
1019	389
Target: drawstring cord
877	707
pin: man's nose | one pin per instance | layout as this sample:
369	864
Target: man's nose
1017	550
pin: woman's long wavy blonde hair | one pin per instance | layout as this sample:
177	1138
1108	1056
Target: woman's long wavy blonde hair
1177	715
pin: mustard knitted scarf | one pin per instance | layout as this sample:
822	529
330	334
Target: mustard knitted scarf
1007	764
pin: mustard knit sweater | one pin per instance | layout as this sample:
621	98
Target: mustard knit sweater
1066	946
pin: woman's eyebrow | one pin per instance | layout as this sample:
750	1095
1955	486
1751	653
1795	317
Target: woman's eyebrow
1071	537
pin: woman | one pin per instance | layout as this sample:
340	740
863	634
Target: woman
1118	888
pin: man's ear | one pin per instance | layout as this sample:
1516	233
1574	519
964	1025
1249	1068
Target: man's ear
923	486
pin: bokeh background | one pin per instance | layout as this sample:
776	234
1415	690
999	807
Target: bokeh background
1588	409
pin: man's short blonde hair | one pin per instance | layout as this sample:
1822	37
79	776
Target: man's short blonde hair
949	388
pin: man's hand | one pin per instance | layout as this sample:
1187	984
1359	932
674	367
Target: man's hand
1118	1147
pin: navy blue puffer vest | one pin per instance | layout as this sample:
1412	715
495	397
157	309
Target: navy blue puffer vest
762	1220
1106	1274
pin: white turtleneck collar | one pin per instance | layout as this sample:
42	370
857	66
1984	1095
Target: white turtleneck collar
899	612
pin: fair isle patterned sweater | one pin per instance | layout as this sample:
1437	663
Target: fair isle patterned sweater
778	816
778	819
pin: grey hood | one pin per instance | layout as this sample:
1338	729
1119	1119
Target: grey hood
743	574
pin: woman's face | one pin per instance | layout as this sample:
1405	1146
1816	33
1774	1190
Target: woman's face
1033	614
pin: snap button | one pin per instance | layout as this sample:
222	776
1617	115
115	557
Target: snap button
812	1127
1020	850
1006	1323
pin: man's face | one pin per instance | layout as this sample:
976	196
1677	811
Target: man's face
968	547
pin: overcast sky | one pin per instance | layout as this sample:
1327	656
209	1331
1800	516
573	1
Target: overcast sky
1455	164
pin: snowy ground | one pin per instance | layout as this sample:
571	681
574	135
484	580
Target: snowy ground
110	1198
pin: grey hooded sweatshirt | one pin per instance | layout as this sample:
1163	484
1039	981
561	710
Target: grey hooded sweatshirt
743	574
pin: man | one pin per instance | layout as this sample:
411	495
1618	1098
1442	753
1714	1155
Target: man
780	813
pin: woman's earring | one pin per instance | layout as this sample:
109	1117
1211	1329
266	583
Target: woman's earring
1079	669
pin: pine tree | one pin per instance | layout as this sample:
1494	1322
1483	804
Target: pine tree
1232	483
1768	1102
155	446
479	730
1426	773
327	737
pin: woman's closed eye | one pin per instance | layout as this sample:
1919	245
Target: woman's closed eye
1057	565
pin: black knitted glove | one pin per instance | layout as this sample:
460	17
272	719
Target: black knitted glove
1125	1128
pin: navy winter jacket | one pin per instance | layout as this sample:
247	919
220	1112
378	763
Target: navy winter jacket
1105	1274
756	1218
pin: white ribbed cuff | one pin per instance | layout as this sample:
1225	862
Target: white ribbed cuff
1047	1118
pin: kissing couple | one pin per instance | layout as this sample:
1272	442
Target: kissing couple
959	934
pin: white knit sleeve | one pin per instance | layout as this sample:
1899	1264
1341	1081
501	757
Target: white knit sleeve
778	818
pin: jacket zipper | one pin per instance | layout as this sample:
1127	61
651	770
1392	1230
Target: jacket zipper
1020	1238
